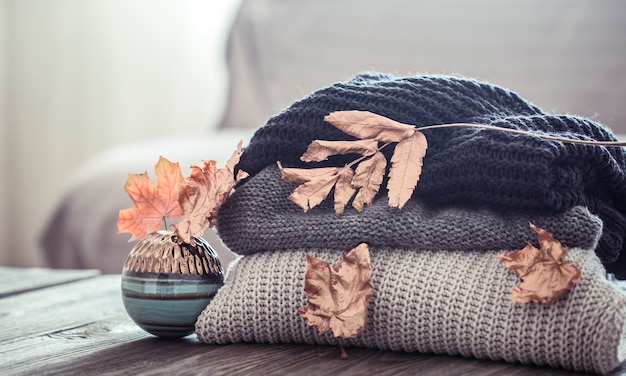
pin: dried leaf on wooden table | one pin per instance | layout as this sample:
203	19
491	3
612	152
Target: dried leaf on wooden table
338	295
545	275
368	125
152	202
204	192
406	168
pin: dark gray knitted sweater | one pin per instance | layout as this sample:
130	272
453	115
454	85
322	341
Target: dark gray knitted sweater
470	167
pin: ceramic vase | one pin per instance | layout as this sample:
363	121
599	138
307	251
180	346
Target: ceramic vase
166	285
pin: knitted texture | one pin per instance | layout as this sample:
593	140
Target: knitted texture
444	302
469	166
258	216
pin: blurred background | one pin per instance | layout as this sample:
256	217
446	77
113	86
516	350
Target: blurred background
79	76
90	80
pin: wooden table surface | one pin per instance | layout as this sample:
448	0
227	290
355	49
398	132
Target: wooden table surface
72	322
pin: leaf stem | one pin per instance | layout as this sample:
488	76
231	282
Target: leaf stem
165	223
344	355
517	131
359	159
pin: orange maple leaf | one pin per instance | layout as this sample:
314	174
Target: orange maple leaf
338	295
203	193
152	203
546	277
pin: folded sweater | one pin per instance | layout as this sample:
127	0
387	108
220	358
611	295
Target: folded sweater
474	167
259	217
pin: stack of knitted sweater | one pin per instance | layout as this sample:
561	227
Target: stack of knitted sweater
437	286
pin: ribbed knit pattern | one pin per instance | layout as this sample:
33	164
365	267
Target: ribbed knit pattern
441	302
258	217
469	166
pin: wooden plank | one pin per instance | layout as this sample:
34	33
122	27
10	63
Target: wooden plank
325	360
153	356
18	280
35	355
82	328
60	307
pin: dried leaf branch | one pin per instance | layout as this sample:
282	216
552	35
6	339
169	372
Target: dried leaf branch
527	133
375	132
363	183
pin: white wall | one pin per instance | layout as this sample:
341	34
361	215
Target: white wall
3	127
83	75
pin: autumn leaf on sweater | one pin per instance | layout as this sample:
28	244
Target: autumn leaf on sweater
367	179
374	130
343	189
338	296
204	192
152	202
406	168
368	125
545	275
317	183
320	150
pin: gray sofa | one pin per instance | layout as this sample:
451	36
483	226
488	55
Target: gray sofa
564	56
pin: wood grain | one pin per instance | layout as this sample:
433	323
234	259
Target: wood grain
18	280
59	307
82	328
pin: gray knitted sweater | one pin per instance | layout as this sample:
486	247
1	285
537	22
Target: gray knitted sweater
259	217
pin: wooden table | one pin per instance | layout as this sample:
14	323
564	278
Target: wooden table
72	322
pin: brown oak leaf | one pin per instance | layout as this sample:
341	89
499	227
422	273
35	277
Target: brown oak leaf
204	192
338	296
368	125
367	179
406	168
320	150
152	202
546	277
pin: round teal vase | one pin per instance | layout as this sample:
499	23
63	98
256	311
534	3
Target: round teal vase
166	285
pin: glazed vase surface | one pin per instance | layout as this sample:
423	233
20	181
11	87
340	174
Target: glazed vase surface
166	285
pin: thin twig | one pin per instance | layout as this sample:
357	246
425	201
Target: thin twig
344	355
517	131
362	157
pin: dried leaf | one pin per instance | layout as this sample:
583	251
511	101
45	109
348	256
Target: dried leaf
204	192
320	150
367	178
343	189
152	203
316	184
406	168
338	296
546	277
367	125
